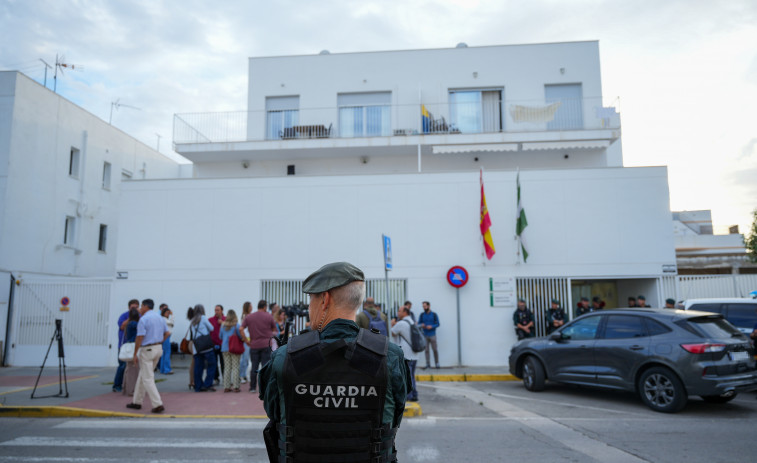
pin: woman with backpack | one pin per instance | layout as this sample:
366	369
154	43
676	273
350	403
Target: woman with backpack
402	336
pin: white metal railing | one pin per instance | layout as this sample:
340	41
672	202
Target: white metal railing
704	286
538	294
486	116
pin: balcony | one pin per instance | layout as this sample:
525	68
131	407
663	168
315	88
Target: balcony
396	129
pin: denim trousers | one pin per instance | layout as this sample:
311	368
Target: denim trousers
205	362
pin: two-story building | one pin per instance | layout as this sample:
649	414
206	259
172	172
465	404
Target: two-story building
336	150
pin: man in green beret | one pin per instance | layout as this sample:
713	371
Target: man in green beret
337	392
670	303
523	319
555	316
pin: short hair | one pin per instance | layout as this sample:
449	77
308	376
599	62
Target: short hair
408	302
426	302
262	304
219	305
405	309
349	296
133	301
149	303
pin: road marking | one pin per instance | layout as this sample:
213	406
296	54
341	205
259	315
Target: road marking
109	460
34	441
559	432
155	424
46	385
423	453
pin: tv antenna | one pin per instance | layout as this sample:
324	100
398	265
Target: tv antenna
60	63
117	104
47	66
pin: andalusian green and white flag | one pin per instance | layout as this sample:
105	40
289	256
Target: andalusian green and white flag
521	223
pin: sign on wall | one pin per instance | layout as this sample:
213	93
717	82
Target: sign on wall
502	292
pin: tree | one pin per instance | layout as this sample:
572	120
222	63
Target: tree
751	239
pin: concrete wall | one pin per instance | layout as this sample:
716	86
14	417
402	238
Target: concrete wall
212	241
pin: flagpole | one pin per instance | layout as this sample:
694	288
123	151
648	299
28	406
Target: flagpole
481	237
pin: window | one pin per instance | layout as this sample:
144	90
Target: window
624	326
282	113
475	111
73	163
106	176
103	238
583	329
654	327
742	315
714	308
569	114
364	114
68	232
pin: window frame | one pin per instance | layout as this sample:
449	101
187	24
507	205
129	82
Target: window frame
107	175
74	163
69	230
102	241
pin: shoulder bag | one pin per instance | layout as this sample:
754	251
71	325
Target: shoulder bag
185	347
126	352
202	343
236	346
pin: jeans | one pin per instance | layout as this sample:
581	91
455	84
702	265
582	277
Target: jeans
244	362
204	362
218	372
258	357
165	360
412	394
118	381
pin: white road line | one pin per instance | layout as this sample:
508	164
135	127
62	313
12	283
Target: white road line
37	441
423	453
139	423
22	459
559	432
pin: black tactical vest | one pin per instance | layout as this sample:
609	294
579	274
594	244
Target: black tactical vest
334	400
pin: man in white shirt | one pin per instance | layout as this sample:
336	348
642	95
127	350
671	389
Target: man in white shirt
401	336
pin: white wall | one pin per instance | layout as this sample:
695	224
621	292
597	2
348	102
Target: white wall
211	241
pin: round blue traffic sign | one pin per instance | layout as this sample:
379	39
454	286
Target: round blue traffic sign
457	276
64	301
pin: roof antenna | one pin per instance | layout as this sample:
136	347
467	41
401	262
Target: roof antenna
47	66
117	104
60	64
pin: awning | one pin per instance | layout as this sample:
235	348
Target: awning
565	145
445	149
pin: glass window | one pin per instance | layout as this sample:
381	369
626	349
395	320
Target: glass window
282	113
654	327
714	308
73	163
364	114
585	328
68	232
473	111
106	175
569	114
624	326
103	238
742	315
711	326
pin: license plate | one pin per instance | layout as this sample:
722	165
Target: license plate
738	356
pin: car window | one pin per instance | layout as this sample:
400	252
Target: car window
711	327
586	328
624	326
709	307
654	327
742	315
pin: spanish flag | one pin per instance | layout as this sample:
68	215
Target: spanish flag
425	119
486	223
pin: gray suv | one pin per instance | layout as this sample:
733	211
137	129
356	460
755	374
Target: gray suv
663	355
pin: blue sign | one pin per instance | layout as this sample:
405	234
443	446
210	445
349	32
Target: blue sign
387	252
457	276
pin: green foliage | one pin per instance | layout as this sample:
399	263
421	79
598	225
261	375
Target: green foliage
751	239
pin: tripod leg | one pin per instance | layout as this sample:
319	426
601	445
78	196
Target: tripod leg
43	363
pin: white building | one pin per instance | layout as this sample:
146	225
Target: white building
61	174
337	149
699	251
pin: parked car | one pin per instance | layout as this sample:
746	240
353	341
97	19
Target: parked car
742	313
663	355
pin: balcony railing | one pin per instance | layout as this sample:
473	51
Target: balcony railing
506	116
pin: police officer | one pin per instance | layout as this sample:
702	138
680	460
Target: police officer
641	301
555	316
523	319
583	306
670	303
336	393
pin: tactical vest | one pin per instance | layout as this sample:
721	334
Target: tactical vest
334	401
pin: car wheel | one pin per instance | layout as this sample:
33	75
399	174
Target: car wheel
662	391
533	374
719	399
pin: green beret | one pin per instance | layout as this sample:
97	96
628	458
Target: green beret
520	299
641	296
555	301
331	276
670	301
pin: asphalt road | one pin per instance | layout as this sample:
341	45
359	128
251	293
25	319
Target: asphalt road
481	422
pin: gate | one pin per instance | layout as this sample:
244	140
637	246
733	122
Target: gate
539	292
704	286
36	306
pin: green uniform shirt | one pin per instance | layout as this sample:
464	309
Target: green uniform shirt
398	376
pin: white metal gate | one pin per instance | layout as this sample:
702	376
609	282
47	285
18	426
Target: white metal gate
696	286
539	292
36	306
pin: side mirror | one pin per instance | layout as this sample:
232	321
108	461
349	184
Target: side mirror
556	337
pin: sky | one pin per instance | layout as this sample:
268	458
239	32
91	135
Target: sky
684	71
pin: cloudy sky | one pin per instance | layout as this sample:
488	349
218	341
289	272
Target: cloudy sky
685	71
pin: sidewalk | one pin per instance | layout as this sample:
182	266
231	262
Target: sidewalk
90	393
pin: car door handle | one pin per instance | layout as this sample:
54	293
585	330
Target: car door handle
636	347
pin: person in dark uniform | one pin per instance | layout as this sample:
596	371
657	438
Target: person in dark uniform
670	303
641	301
335	393
555	316
596	304
523	319
631	301
583	306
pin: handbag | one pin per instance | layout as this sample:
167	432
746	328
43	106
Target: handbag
185	347
202	343
236	346
126	352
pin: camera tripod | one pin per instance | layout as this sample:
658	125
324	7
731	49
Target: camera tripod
62	380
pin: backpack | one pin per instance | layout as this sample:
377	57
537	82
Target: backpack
417	340
377	322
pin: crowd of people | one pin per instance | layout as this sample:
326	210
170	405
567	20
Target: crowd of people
228	349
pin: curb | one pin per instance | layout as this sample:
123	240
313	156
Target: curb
412	409
465	377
